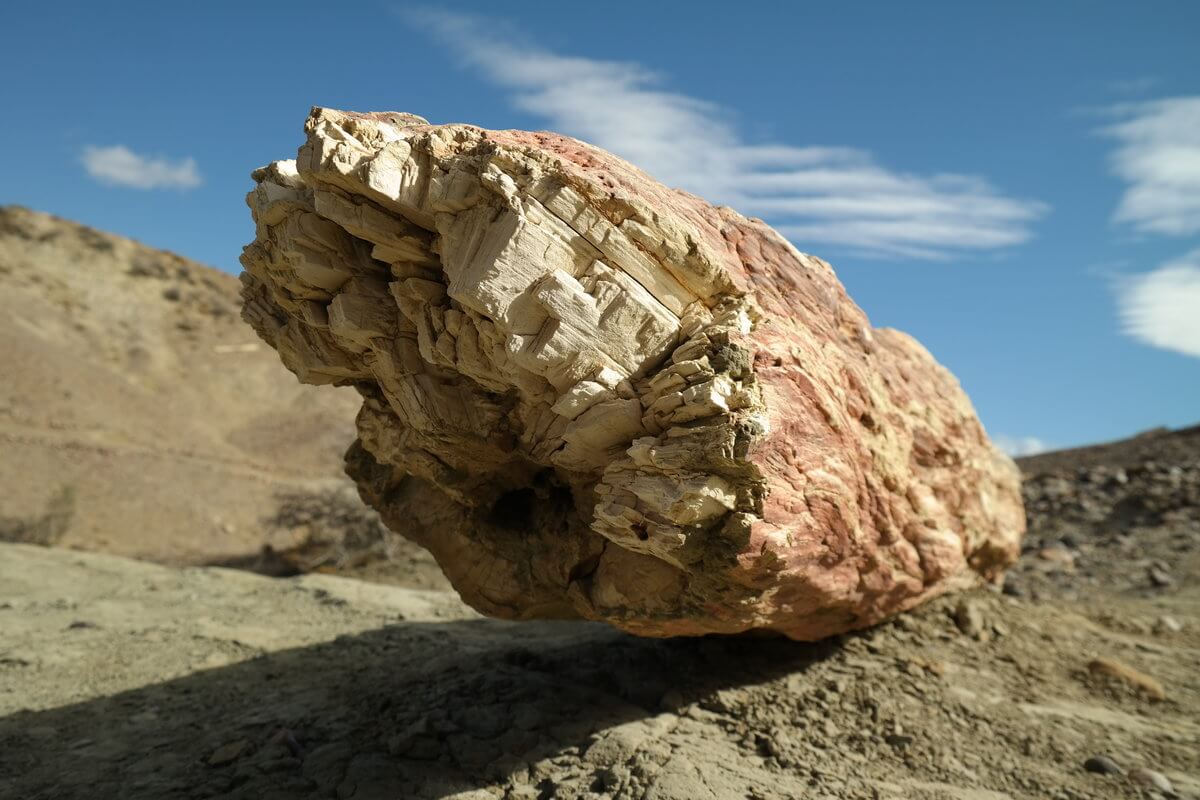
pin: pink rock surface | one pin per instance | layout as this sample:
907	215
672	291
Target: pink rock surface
590	395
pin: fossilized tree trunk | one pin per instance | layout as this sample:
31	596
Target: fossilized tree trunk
593	396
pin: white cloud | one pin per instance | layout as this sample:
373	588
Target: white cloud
120	166
1159	157
1162	307
1020	445
829	195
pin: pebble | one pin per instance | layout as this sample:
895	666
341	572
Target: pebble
1159	577
1058	556
1102	765
1167	624
1110	667
228	752
1012	588
1152	779
288	739
968	616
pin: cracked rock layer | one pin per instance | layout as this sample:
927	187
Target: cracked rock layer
589	395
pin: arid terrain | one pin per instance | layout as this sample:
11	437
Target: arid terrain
140	416
131	428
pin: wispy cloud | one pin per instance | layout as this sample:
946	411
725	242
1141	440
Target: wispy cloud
1159	157
1162	307
828	195
120	166
1017	446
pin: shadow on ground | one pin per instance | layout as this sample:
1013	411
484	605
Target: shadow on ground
410	710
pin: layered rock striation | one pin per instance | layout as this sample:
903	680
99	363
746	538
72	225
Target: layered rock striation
589	395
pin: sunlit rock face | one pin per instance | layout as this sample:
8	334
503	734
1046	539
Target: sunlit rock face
589	395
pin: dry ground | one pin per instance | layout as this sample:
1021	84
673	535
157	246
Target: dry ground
125	679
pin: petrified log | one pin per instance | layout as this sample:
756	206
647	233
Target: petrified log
589	395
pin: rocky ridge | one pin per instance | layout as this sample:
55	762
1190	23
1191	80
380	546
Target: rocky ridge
1120	517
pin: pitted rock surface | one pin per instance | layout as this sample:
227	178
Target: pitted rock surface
590	395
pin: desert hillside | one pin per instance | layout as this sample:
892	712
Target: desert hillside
138	414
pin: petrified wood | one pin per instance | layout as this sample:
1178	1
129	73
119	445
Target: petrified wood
590	395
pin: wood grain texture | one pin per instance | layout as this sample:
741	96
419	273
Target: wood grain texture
590	395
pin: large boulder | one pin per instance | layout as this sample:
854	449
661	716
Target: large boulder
590	395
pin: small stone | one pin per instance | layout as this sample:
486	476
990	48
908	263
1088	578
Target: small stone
611	778
1013	587
228	753
1159	577
1152	779
1167	624
288	739
1058	556
968	616
1102	765
1111	668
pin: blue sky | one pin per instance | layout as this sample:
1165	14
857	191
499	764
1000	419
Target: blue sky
1016	184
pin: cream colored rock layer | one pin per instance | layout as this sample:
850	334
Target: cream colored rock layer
562	394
